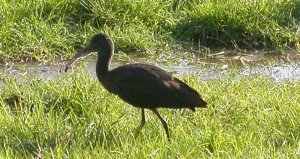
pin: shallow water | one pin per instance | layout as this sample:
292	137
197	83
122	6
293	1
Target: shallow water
215	66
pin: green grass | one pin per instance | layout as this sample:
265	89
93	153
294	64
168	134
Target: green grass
42	30
73	116
246	24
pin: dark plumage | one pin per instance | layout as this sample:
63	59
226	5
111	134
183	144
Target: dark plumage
141	85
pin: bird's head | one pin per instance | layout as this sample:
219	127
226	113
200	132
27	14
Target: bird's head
99	43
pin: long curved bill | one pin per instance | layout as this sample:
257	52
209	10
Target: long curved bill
80	53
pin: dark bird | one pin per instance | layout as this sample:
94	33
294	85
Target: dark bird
141	85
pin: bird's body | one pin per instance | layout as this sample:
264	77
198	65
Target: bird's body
141	85
148	86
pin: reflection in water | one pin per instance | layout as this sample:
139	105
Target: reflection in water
217	66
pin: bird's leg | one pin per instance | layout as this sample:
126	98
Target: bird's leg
163	122
141	125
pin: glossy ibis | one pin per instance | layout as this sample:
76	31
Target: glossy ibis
141	85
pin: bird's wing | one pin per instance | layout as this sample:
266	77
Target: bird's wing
146	83
141	78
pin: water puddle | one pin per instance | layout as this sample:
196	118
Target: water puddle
214	66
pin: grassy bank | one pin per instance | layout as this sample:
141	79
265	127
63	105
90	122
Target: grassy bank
73	116
42	30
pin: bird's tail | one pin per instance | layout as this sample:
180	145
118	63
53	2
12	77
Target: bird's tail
200	103
191	96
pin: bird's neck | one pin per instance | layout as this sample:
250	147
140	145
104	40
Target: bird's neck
103	63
